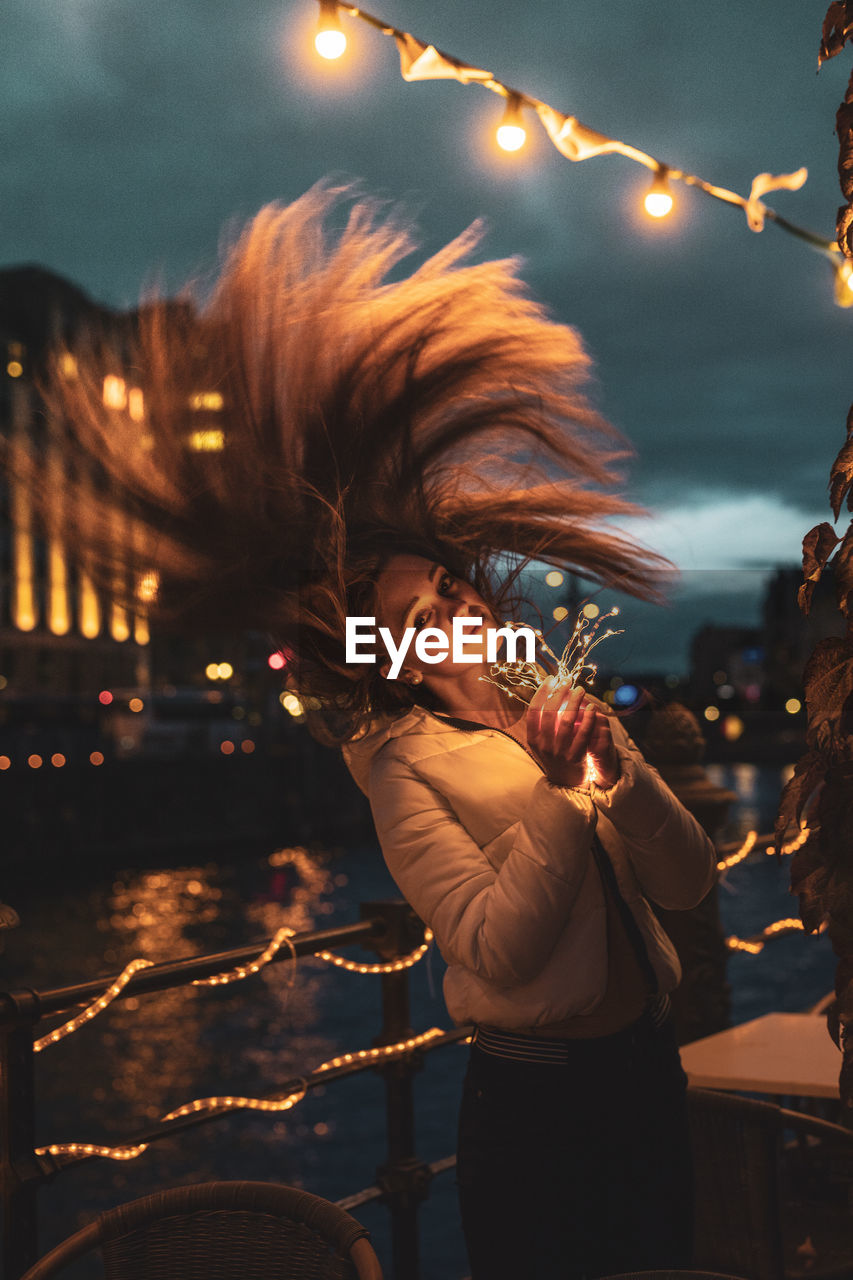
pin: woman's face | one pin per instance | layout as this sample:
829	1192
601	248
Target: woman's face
414	592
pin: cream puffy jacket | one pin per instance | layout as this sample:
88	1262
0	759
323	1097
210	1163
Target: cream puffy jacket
498	862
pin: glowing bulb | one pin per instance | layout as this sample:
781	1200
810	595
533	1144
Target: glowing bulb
330	42
658	200
511	134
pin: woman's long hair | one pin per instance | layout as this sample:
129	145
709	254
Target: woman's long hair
344	412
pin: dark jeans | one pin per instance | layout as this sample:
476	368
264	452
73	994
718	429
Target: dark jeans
580	1169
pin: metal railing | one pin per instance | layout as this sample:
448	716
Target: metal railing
390	929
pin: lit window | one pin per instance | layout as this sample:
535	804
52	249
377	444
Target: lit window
115	392
212	441
211	400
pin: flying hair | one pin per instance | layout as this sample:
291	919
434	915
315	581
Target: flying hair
362	413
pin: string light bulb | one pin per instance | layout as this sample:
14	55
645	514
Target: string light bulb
658	202
511	133
330	41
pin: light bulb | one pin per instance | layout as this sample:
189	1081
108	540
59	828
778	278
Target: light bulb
330	41
658	201
511	134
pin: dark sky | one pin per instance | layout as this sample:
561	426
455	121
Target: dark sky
135	132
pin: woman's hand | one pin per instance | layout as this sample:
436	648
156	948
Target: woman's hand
563	729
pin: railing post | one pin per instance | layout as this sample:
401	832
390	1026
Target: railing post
404	1178
20	1171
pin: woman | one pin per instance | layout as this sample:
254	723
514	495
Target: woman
573	1155
402	448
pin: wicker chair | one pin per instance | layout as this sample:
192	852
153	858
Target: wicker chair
222	1231
769	1210
669	1275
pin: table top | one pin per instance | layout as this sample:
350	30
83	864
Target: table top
780	1053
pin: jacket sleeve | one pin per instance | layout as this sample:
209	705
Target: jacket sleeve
501	924
673	859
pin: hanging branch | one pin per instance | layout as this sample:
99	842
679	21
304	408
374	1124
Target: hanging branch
822	870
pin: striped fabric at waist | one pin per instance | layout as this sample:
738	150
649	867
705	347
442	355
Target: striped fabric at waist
526	1048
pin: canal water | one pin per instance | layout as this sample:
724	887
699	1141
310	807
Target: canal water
142	1058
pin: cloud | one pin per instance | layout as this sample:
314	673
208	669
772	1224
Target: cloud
717	532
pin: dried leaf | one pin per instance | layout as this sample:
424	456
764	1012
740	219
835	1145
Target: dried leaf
841	477
812	890
843	573
818	545
828	682
837	30
808	772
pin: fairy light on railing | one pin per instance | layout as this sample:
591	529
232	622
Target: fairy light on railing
382	1051
97	1006
733	859
576	141
229	1102
778	929
391	966
254	966
92	1149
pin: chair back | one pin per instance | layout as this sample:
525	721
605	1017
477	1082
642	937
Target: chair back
223	1231
736	1152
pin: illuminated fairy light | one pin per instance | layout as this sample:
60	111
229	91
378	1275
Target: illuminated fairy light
576	141
738	856
775	930
572	667
272	949
393	966
740	944
658	202
330	41
92	1149
381	1052
92	1010
511	134
230	1102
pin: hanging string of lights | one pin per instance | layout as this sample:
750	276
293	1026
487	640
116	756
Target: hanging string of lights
385	1053
576	141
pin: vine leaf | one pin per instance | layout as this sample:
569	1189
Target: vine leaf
843	572
810	881
818	545
828	681
808	773
837	30
841	476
